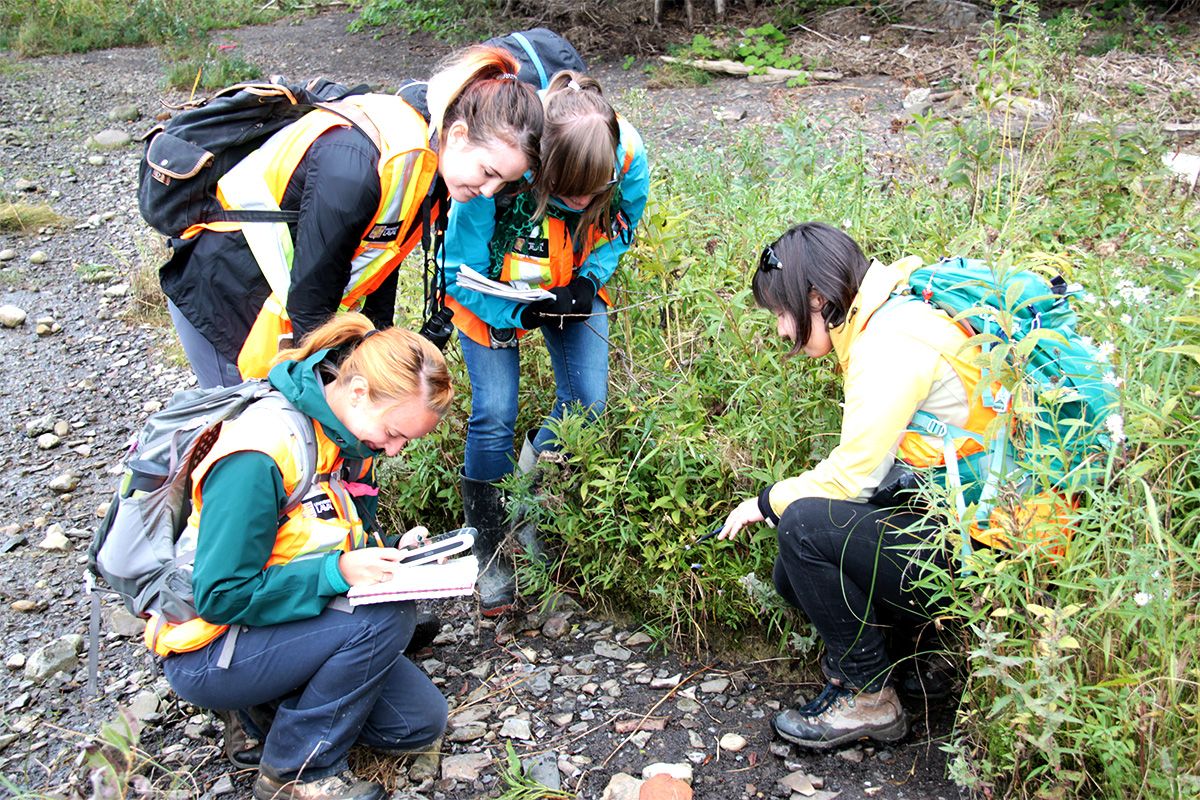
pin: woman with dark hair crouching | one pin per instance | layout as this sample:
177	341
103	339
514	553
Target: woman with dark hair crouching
855	565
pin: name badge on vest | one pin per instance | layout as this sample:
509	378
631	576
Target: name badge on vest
538	247
383	232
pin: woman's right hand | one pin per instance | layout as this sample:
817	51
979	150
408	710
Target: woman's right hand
368	565
746	513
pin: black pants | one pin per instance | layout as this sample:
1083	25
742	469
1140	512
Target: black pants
850	567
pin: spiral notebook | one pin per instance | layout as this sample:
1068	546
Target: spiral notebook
450	579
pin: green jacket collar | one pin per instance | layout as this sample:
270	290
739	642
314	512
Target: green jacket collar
300	382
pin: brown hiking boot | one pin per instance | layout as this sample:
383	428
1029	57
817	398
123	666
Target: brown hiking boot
839	715
344	786
243	749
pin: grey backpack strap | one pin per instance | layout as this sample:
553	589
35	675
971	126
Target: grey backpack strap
302	426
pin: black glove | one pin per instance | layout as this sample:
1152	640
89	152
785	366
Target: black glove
571	303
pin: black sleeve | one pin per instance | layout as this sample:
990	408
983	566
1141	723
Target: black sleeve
380	306
338	198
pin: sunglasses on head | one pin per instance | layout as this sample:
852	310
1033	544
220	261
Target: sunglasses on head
769	261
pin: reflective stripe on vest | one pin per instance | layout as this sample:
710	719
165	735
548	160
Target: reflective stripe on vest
325	520
406	169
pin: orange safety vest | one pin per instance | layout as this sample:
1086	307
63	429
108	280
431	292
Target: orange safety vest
407	168
549	265
324	520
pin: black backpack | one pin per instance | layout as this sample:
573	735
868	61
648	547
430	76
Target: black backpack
542	53
187	155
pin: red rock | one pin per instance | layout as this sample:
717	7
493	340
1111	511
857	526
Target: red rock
664	787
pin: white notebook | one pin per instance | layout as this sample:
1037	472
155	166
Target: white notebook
470	279
451	579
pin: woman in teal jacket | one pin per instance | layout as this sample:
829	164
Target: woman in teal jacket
274	633
566	235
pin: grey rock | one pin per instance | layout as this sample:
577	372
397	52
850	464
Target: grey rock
222	786
117	290
61	655
543	768
733	742
465	767
24	185
681	771
715	686
853	755
144	705
122	623
48	441
55	539
468	733
11	316
64	483
7	254
514	728
38	257
109	140
611	650
638	639
97	160
917	101
125	113
557	626
15	662
622	786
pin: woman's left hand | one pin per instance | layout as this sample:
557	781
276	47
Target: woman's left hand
416	537
747	513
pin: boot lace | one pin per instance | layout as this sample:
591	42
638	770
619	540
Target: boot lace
830	696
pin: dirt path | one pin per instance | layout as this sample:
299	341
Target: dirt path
564	685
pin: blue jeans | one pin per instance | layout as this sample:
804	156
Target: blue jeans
579	355
342	678
212	369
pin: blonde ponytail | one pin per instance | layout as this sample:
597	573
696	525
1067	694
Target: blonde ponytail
397	363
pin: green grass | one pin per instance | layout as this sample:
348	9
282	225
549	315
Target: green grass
203	66
457	21
40	27
1083	671
23	217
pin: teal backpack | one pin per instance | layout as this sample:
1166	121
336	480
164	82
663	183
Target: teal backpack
1028	331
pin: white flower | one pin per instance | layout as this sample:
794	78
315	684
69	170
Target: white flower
1116	427
1126	319
1112	380
1087	341
1106	349
1087	297
1142	598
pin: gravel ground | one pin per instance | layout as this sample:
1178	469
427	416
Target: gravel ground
89	362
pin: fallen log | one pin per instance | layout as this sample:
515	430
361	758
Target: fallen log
767	75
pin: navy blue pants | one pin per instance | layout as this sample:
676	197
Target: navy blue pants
339	679
852	569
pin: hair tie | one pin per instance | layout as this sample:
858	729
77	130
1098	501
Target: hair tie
573	84
368	335
506	76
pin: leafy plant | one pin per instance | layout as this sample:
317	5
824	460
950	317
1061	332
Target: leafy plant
208	66
450	20
37	27
518	785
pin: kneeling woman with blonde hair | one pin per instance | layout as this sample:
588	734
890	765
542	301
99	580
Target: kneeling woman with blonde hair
272	577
